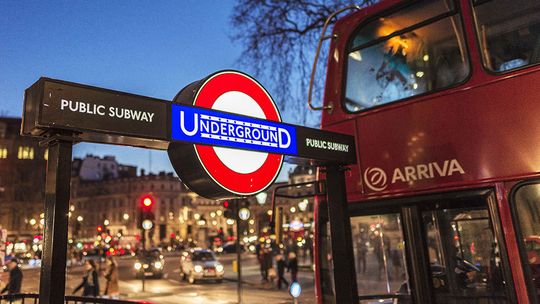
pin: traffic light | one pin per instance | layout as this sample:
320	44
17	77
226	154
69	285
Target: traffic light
229	210
99	229
146	205
147	202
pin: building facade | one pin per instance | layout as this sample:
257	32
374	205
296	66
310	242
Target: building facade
22	182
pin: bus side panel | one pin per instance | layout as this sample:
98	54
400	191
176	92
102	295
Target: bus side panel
479	134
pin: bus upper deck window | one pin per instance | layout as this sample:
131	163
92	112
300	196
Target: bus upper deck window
410	52
508	32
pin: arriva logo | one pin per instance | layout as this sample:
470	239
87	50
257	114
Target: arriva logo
376	179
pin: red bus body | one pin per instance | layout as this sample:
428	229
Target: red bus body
489	124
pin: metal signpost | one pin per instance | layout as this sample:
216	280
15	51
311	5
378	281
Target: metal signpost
223	126
238	253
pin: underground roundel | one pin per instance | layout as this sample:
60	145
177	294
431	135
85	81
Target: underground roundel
218	172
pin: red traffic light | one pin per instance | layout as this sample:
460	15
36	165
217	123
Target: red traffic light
99	229
147	202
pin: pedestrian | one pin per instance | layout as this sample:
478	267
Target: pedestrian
362	252
260	259
258	253
268	263
90	282
280	262
112	290
293	266
15	278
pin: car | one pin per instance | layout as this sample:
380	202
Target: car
96	255
149	264
229	247
200	264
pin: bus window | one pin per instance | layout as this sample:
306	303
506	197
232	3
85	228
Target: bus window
404	54
381	271
509	33
464	256
527	205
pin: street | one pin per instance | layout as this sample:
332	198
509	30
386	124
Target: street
171	289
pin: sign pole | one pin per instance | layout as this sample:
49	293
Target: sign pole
238	250
340	234
57	193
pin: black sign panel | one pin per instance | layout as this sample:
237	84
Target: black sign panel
106	116
326	146
95	114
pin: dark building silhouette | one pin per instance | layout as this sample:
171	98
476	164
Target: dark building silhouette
22	181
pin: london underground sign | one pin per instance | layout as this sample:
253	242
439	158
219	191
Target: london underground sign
223	134
222	141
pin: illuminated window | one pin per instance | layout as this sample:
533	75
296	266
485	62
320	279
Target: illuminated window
25	153
3	153
411	52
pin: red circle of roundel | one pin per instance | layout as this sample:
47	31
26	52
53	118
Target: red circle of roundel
239	183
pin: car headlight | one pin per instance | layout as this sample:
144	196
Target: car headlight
219	268
198	268
158	265
137	266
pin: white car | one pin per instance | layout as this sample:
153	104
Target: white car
200	264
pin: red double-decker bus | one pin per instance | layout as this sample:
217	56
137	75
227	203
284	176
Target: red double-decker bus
443	205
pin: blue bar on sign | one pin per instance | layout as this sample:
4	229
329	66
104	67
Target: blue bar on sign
208	127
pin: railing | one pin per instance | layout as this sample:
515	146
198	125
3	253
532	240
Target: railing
32	298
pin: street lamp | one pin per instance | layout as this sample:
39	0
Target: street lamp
303	205
106	222
80	218
244	214
147	224
126	216
33	222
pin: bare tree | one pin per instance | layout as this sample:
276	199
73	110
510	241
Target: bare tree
279	38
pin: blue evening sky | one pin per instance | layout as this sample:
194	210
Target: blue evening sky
151	48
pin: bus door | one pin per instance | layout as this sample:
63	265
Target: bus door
444	249
464	254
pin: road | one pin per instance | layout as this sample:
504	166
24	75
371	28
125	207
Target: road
171	289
